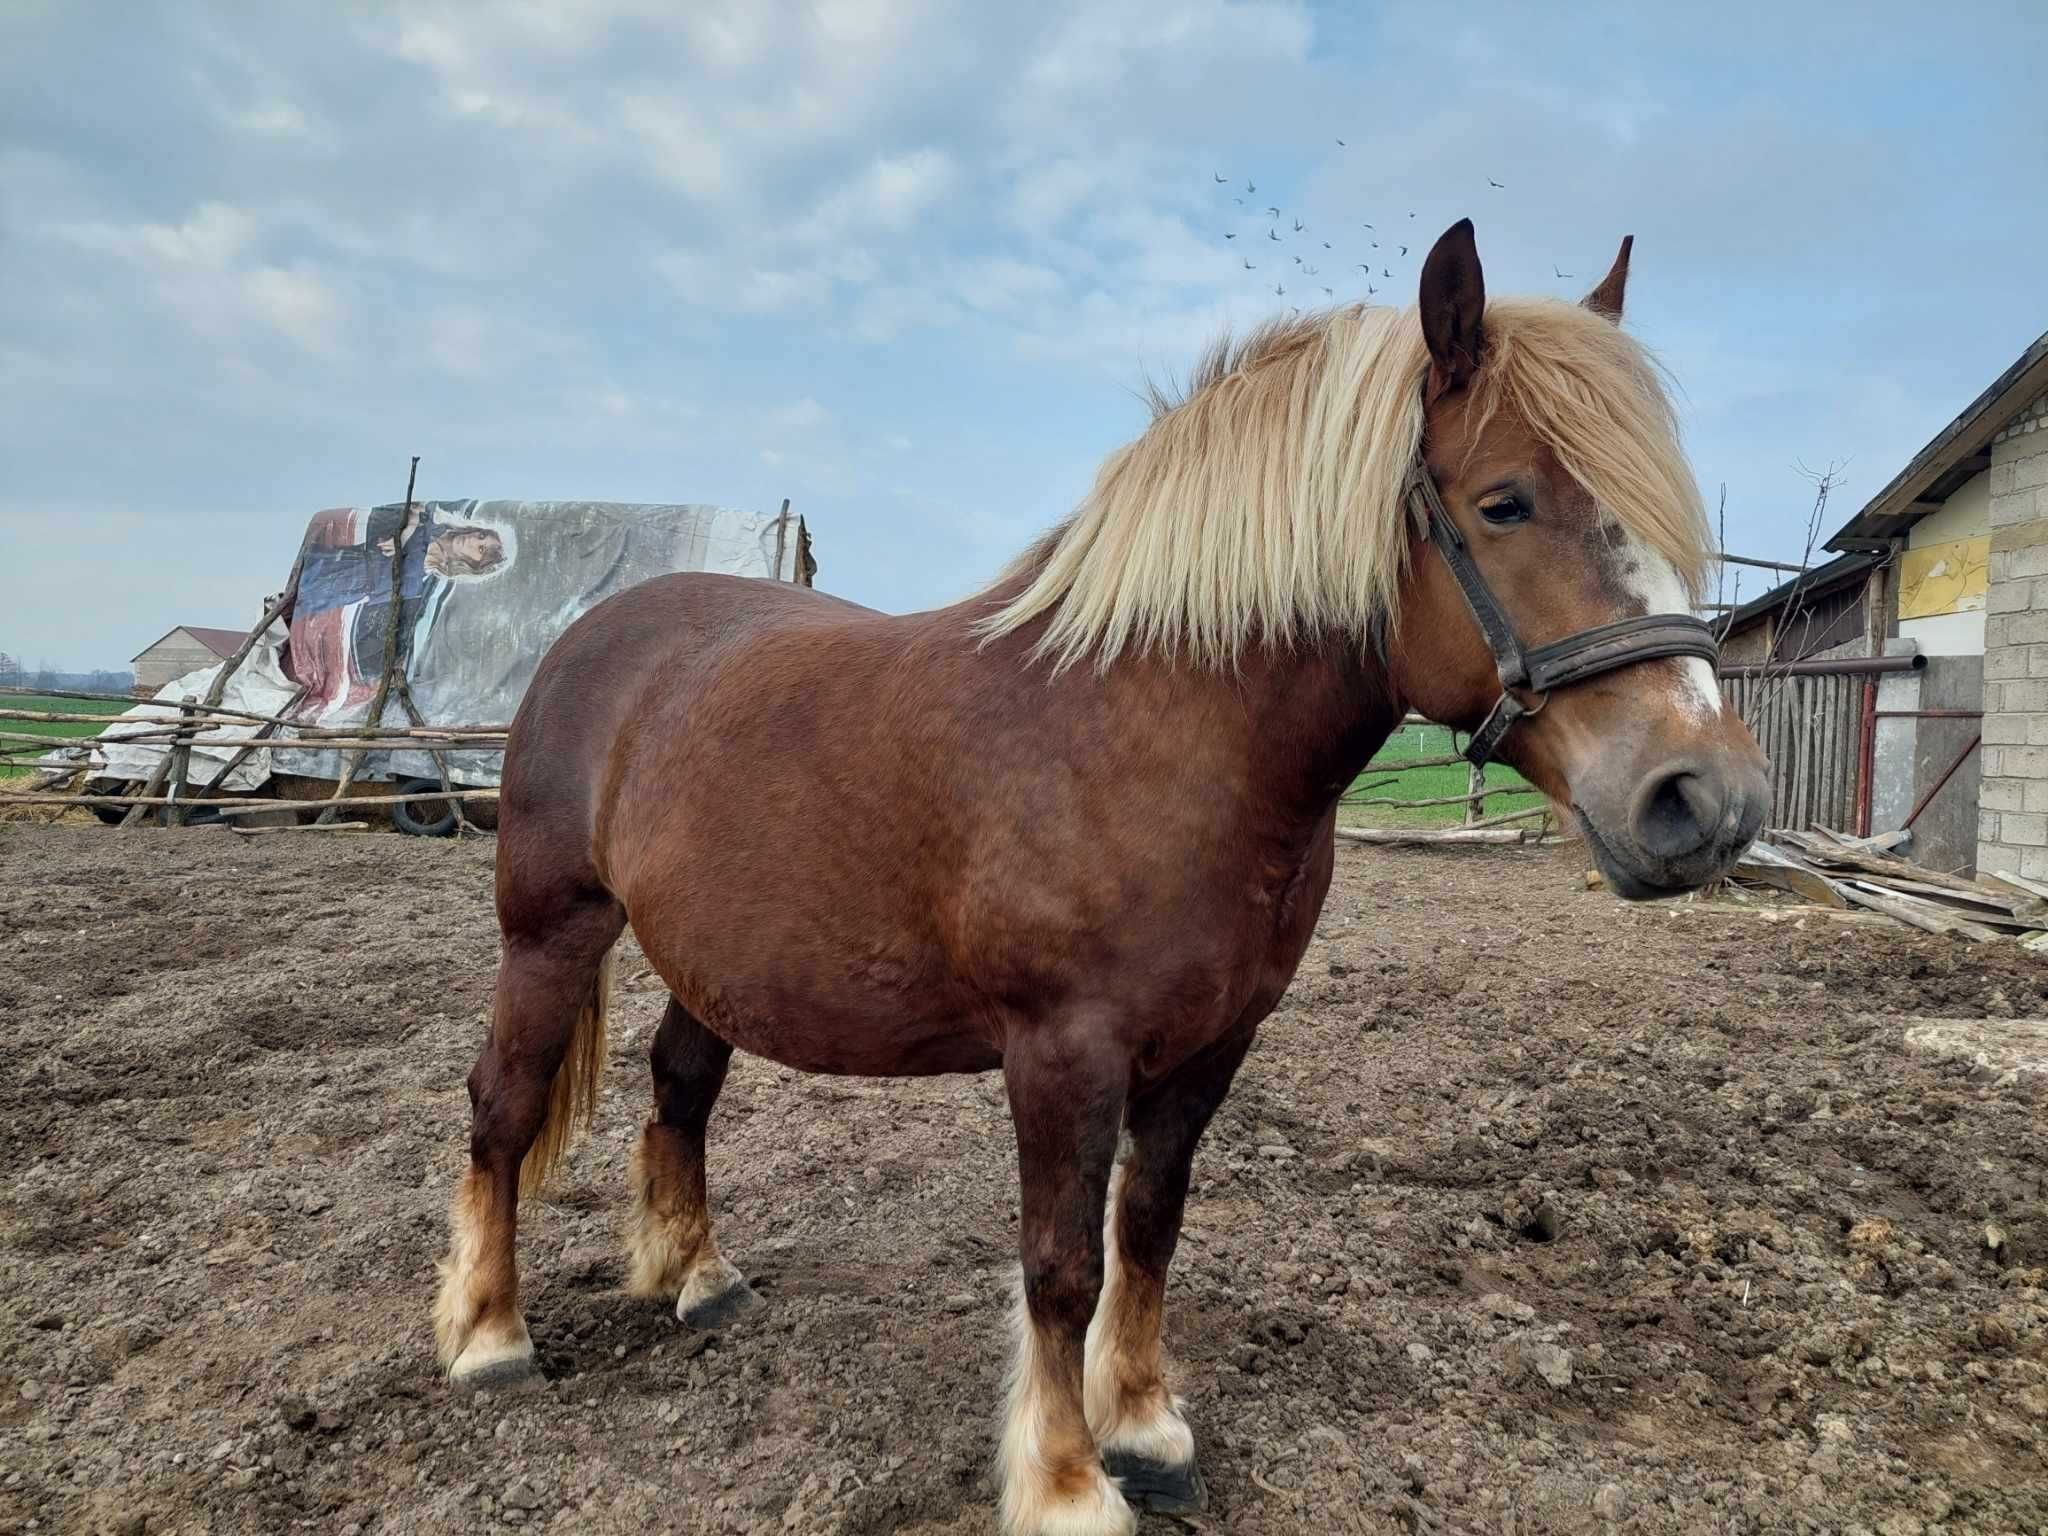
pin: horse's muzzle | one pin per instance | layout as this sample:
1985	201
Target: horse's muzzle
1682	825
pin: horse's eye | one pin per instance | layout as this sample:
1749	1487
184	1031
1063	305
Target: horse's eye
1504	509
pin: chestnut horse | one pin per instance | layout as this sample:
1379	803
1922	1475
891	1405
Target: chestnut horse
1078	829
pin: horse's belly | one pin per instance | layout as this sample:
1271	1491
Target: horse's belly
864	1025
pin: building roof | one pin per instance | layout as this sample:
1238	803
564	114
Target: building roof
1842	571
1958	451
222	642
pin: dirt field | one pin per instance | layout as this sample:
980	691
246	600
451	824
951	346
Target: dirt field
1530	1213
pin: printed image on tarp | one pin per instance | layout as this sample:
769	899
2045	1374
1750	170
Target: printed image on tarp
484	588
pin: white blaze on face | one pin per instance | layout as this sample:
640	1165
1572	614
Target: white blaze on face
1649	578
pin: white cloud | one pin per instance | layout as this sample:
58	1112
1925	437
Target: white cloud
765	292
298	304
804	415
272	120
199	271
212	238
1001	283
887	195
680	145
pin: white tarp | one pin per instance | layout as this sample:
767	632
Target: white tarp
485	588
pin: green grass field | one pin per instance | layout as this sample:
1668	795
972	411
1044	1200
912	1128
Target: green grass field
55	730
1425	741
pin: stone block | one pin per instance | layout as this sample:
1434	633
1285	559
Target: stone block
2033	794
2032	470
2007	661
2029	628
2032	560
1987	825
2016	762
2019	536
2027	829
2008	596
2001	480
2037	660
1998	856
2029	697
2034	863
2013	507
2005	730
2007	795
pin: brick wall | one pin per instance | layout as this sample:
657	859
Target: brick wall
2012	803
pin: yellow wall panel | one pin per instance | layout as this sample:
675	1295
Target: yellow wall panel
1944	578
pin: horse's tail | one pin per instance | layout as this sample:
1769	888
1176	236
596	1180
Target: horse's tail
572	1100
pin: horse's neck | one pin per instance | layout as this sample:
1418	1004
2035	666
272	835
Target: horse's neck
1319	713
1302	720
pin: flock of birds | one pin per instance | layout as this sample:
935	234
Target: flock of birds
1283	228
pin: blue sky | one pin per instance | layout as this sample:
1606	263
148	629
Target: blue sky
906	263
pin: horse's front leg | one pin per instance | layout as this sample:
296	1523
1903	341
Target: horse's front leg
1067	1082
1146	1443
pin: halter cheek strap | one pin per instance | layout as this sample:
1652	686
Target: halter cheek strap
1539	669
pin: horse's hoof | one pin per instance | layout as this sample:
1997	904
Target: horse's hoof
501	1369
1157	1487
714	1295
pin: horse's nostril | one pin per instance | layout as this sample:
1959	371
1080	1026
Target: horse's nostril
1677	813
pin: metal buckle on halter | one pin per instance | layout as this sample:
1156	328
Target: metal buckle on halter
1507	709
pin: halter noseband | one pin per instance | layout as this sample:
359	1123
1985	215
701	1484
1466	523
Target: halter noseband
1539	669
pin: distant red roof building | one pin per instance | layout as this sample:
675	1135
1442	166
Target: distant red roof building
184	649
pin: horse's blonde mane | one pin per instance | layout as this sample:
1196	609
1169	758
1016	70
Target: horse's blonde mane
1266	499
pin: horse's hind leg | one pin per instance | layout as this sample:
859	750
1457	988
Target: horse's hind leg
1145	1441
671	1247
536	1080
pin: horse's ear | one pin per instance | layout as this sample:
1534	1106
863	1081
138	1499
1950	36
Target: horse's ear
1453	305
1606	299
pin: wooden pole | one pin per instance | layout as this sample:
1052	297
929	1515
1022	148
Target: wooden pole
237	805
1500	836
150	787
382	741
376	713
243	755
1475	784
142	727
781	535
181	766
412	711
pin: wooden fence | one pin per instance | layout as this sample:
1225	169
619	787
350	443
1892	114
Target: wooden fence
1810	729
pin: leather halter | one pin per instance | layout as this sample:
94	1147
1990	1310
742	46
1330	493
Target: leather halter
1539	669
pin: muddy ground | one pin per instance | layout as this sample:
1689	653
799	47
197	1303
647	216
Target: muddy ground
1531	1212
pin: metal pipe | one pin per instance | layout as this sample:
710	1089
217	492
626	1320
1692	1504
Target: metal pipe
1841	666
1762	565
1930	714
1946	774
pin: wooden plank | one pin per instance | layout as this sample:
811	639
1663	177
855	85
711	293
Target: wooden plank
1915	914
1802	713
2018	883
1912	887
1504	836
1882	842
1824	853
1760	861
331	826
1823	753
